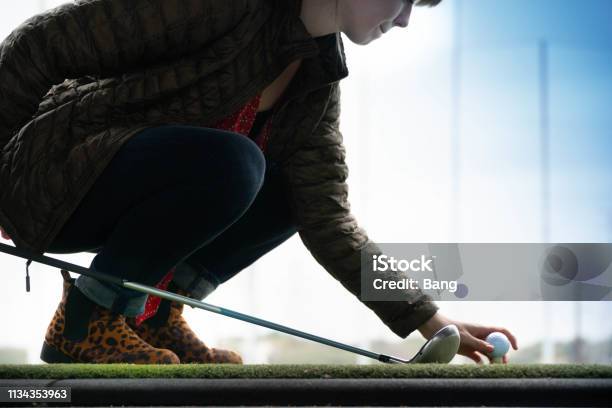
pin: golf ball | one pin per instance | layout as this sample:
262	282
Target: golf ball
500	344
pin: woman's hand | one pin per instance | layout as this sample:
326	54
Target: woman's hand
4	234
472	336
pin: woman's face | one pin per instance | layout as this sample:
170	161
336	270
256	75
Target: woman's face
366	20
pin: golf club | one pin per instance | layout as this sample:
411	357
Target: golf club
441	348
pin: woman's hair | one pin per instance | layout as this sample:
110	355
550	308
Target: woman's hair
429	3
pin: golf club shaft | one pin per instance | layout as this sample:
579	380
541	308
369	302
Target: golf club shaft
191	302
247	318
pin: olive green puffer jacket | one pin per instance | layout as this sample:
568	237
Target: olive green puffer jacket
77	81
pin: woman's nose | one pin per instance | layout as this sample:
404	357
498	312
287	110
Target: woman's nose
403	19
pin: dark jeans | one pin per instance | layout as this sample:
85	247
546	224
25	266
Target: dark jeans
201	199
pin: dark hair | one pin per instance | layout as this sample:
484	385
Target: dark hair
419	3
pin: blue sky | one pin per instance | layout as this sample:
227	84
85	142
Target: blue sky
501	66
582	24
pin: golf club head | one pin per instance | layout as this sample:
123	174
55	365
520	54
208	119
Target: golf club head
441	348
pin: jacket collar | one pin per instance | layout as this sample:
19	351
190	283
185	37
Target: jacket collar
324	60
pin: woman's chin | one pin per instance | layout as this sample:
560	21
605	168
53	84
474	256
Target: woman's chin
374	36
365	39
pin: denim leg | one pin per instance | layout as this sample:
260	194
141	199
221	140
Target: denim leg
199	282
113	297
168	191
110	296
265	225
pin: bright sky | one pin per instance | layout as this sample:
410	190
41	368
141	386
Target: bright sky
397	125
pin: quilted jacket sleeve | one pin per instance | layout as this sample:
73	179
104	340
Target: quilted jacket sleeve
318	193
100	37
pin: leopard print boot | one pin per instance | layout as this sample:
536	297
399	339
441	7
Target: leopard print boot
168	329
84	332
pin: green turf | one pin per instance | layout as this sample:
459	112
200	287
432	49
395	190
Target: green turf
42	371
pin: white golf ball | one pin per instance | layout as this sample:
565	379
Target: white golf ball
500	344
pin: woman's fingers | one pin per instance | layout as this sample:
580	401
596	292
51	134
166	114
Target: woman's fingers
477	344
483	331
472	339
475	356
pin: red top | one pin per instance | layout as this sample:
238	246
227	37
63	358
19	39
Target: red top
241	122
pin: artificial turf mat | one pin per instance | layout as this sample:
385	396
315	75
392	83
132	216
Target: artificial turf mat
61	371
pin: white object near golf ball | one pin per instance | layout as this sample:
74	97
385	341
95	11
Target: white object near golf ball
500	344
